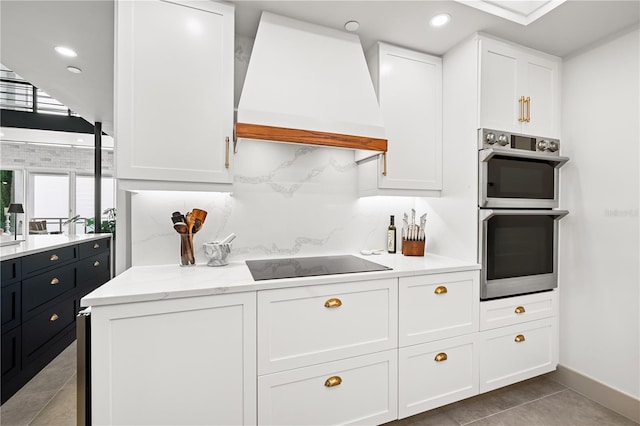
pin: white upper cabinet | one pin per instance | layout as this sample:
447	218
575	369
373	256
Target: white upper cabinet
174	91
519	89
409	89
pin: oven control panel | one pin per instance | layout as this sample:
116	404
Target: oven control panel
488	138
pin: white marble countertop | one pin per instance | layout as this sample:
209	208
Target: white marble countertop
39	243
146	283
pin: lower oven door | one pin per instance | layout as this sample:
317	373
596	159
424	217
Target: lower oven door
519	251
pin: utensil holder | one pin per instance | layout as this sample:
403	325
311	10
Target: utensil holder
412	248
186	250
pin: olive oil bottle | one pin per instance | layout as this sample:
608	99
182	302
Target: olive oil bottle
391	236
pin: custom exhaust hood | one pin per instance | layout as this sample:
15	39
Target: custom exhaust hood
309	84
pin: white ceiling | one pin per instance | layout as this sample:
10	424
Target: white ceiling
30	29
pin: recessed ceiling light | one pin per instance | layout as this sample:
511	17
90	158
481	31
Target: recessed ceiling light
79	140
440	20
74	70
66	51
352	26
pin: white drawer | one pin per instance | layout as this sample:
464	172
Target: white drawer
512	354
301	326
366	393
515	310
437	373
438	306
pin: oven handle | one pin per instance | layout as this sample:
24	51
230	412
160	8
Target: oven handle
489	153
486	214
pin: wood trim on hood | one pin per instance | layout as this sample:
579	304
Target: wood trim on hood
309	137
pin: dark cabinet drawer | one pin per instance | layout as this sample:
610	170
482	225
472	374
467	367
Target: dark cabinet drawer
91	248
48	259
92	272
38	290
10	353
10	306
10	271
44	326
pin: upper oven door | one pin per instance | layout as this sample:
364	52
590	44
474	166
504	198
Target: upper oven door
518	179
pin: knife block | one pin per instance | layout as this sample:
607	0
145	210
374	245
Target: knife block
412	248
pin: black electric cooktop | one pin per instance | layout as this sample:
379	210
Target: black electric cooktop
271	269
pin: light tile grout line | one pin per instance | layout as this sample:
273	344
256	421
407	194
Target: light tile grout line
515	406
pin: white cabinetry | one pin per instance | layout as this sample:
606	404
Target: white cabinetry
439	368
520	339
519	89
180	361
409	88
360	390
174	91
327	354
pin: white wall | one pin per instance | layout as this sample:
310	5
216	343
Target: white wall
599	248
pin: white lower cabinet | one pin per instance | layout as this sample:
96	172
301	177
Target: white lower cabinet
359	390
438	306
434	374
518	352
188	361
309	325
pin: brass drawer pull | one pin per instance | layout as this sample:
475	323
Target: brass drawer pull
520	310
333	303
54	257
54	317
96	246
440	290
333	381
440	357
519	338
54	281
96	264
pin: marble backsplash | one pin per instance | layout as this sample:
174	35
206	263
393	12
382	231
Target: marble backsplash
287	200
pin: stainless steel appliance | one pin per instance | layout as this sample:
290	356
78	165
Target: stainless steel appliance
271	269
518	251
518	195
83	334
518	171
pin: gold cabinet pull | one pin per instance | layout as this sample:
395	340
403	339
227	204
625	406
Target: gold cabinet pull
440	290
519	310
54	257
521	102
384	164
333	381
54	281
440	357
333	303
54	317
96	246
519	338
226	158
528	102
96	264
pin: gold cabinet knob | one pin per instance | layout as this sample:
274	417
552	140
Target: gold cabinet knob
440	357
96	246
333	381
440	290
520	310
519	338
96	264
333	303
54	317
54	257
54	281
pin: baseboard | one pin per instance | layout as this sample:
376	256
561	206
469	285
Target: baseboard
604	395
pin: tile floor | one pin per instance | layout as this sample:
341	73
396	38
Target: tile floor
50	399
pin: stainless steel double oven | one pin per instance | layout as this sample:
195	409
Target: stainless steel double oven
518	213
